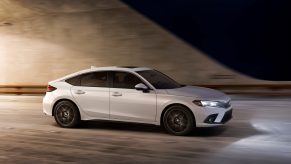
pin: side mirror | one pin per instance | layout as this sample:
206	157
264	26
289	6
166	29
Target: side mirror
141	87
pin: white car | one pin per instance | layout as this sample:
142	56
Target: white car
134	94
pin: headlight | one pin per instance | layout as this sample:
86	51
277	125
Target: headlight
205	103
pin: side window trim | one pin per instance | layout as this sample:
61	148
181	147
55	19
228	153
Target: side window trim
110	78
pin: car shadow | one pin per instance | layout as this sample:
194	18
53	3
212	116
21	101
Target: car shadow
237	130
208	131
120	126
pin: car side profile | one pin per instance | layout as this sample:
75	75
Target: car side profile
134	94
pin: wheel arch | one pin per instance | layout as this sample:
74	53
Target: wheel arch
176	104
64	99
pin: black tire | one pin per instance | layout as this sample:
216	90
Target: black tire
67	114
178	120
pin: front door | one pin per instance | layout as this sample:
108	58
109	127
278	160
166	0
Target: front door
129	104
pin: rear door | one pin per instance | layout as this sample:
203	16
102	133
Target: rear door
92	94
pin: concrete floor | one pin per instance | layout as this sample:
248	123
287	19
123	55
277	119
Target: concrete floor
260	132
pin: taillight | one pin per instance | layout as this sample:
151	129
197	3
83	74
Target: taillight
50	88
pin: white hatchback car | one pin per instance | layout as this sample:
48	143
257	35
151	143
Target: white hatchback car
134	94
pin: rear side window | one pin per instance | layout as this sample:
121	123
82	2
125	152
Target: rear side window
125	80
95	79
74	80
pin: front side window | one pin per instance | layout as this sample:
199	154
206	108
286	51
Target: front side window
94	79
125	80
159	80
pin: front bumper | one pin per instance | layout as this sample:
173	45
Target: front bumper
214	117
227	116
211	119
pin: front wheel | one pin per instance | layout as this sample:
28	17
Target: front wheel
67	114
178	120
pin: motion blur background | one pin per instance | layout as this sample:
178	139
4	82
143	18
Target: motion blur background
238	46
195	42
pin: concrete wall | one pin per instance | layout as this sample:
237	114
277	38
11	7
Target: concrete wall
41	40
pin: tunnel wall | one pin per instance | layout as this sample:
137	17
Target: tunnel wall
43	40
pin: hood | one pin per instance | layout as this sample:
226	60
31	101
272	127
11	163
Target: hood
199	93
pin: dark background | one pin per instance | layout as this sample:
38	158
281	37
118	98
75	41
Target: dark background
249	36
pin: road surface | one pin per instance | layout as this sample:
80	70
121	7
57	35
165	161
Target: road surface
260	132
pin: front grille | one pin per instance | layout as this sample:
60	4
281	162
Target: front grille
225	105
227	116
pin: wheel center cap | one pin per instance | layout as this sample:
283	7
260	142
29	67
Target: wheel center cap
66	114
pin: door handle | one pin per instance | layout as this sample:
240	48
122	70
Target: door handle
79	92
116	94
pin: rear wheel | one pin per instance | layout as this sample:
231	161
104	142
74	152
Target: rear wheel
178	120
67	114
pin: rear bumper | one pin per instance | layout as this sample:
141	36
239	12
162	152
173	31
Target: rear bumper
47	104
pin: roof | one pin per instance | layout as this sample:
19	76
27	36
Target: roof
111	68
116	68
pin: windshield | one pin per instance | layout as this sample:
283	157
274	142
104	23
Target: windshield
159	80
